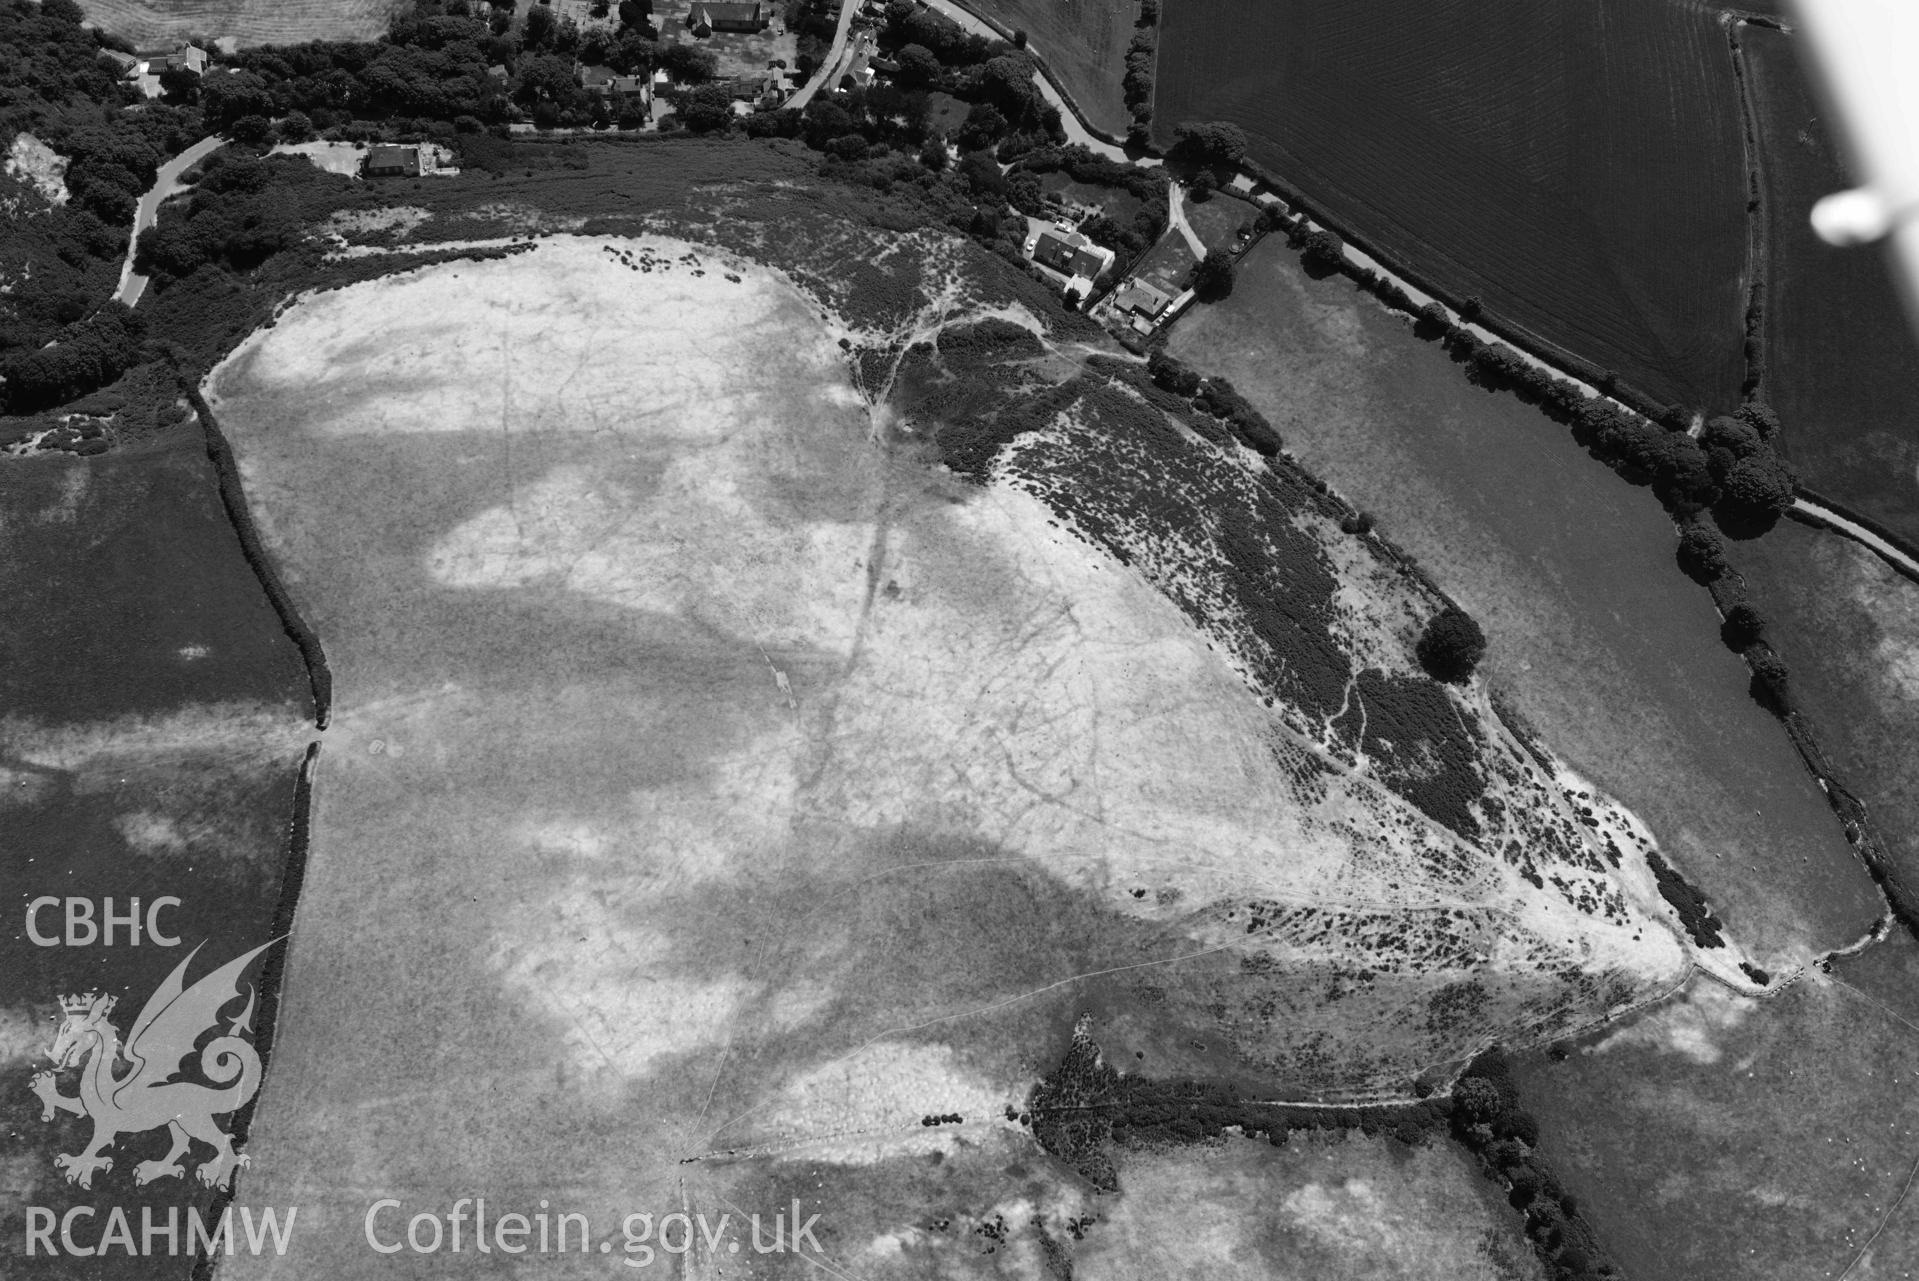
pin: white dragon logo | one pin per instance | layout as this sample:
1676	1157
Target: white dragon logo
145	1097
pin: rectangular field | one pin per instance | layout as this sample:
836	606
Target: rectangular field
1842	367
1083	42
1716	1136
162	23
1848	627
1596	639
127	592
1577	167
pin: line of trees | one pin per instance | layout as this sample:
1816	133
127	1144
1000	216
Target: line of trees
1136	86
1215	396
434	64
1083	1107
1487	1118
1732	467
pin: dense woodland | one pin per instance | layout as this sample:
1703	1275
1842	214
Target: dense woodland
63	259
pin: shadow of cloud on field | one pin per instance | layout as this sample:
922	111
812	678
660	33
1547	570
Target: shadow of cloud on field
912	939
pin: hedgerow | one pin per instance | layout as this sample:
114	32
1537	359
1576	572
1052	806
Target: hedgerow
1487	1118
1083	1108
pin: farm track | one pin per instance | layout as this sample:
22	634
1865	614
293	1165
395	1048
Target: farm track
1758	238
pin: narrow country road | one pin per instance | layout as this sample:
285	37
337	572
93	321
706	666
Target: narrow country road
165	183
1858	533
1076	130
829	65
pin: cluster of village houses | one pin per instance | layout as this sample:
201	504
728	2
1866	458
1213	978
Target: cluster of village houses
1057	249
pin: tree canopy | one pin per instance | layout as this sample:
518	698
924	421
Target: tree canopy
1213	274
1215	142
1451	646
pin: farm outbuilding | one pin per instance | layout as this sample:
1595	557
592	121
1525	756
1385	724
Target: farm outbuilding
389	161
705	19
188	57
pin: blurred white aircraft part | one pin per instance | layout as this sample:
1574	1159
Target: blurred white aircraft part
1867	55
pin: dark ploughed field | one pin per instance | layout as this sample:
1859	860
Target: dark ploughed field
1842	368
1576	167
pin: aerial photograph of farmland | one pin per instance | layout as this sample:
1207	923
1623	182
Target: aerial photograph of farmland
906	639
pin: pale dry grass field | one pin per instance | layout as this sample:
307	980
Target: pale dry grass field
712	796
1750	1140
1318	1209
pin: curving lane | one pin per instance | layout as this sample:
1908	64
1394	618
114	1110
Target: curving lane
165	183
830	67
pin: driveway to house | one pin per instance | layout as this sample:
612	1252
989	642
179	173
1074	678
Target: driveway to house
1176	216
165	183
829	67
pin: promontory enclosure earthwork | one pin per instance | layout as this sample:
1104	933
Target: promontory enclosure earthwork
1062	640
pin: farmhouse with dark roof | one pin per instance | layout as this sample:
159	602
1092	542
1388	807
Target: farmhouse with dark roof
1141	298
1072	254
388	161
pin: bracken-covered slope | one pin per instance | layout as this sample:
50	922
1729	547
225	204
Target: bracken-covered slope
1440	881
